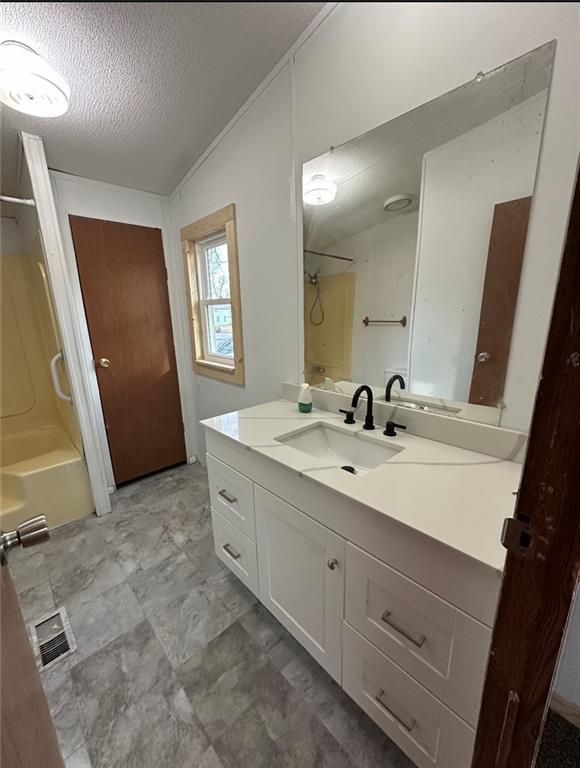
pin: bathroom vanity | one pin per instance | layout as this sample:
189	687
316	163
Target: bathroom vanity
389	576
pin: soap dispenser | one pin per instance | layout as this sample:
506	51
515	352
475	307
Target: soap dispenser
305	399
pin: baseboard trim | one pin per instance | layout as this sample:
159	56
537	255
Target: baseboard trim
566	709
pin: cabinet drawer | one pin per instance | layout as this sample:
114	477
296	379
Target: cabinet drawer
236	551
232	495
424	728
441	647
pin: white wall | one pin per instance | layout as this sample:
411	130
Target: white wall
384	268
252	168
83	197
462	182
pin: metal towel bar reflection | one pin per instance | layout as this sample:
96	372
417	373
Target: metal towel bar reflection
367	321
418	641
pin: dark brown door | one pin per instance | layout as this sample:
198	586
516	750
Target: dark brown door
498	305
124	285
28	738
543	562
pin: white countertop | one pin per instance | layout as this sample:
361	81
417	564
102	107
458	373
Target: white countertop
455	496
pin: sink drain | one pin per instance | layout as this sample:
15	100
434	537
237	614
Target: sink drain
348	468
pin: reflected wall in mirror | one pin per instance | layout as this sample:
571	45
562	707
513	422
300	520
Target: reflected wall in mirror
414	238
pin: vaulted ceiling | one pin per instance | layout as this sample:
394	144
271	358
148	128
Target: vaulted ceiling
152	83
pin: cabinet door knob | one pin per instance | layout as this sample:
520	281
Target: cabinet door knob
332	563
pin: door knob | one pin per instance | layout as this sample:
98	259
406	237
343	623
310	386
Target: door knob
104	362
332	563
30	532
483	357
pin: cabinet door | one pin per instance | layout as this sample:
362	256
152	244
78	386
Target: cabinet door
301	567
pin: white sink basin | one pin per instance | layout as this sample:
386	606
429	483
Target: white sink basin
340	447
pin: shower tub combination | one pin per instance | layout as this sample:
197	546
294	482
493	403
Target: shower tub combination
42	473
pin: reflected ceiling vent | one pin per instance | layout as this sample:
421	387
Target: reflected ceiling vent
398	203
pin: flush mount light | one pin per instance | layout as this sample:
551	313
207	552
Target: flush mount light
319	190
397	203
29	84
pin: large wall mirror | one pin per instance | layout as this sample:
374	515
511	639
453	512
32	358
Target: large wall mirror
414	243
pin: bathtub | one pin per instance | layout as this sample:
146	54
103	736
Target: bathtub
42	473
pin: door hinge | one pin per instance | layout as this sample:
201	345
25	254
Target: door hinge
517	536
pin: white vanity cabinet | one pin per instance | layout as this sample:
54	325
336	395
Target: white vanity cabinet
301	568
401	623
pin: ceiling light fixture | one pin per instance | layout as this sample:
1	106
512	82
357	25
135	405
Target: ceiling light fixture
29	84
397	203
319	190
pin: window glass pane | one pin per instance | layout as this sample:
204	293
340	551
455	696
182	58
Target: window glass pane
217	270
220	339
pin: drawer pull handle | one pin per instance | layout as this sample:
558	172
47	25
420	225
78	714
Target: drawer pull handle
418	641
231	551
408	725
225	495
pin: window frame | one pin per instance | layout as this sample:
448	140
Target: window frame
222	224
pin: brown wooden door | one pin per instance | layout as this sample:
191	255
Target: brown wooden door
28	738
498	306
124	285
543	562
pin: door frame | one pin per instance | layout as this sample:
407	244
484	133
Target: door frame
65	311
63	275
543	568
100	201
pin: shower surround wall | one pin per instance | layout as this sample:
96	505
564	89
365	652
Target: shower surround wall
42	469
384	267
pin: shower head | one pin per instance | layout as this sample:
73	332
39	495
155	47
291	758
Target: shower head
312	278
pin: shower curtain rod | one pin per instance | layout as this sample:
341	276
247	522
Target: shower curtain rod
328	255
17	200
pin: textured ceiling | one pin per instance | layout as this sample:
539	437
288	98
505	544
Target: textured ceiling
152	83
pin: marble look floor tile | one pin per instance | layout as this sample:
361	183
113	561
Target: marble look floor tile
68	549
202	555
210	759
356	733
79	759
133	706
102	619
36	601
84	578
137	545
236	597
265	630
247	744
188	623
164	582
222	679
27	567
63	705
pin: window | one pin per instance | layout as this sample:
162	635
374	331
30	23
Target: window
211	266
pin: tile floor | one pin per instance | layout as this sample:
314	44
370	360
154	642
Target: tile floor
177	665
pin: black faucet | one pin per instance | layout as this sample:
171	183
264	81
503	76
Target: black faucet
369	422
390	383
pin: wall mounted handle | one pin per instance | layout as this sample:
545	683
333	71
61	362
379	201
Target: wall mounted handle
55	380
231	551
228	497
418	641
408	725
